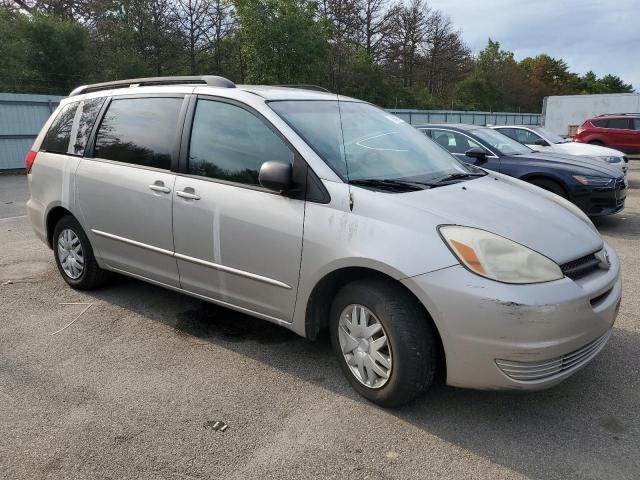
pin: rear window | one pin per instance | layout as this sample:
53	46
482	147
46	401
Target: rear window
140	131
57	138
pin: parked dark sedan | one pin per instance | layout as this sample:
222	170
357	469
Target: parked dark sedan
594	186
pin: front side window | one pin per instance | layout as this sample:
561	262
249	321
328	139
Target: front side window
636	123
549	136
140	131
230	143
500	142
524	136
57	138
89	110
362	142
454	141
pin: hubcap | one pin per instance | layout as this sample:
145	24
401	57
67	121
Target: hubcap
364	345
70	254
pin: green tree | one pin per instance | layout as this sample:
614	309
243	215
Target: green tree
282	41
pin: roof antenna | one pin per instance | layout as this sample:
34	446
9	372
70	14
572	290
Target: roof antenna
344	150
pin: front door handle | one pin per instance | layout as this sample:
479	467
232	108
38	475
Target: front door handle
188	193
159	187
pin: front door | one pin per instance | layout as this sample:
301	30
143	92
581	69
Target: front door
235	241
125	191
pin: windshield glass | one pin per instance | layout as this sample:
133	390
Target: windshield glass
500	142
550	136
369	143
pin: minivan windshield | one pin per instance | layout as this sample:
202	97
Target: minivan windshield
362	142
499	141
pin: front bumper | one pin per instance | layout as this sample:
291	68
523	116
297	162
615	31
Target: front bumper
524	337
596	202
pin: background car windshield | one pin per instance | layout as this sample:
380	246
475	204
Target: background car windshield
369	143
552	137
501	142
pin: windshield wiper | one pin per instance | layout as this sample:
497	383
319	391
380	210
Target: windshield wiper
459	176
390	184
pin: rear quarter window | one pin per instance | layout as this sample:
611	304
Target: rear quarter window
599	123
89	110
57	138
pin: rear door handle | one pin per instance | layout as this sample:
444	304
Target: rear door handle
188	195
159	187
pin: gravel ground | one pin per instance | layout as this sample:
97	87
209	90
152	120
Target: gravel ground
133	388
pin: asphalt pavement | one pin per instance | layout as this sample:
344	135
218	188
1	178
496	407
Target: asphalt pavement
130	381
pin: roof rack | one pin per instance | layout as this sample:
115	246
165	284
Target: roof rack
211	80
303	86
618	114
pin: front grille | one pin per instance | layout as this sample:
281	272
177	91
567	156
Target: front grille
580	267
535	371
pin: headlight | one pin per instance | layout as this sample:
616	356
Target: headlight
611	159
495	257
593	181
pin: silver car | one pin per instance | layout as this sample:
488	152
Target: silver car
316	211
542	140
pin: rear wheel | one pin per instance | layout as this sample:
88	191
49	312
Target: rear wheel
74	256
385	342
596	142
550	186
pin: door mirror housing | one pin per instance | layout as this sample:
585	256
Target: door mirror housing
276	175
541	142
479	154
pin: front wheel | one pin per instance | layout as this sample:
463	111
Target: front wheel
385	342
74	256
550	186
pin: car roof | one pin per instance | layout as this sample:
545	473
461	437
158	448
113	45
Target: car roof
616	115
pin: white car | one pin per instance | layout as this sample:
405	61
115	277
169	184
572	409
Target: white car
540	139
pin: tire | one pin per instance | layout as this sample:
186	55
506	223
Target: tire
550	186
596	142
411	343
77	247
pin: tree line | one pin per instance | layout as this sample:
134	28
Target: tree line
395	53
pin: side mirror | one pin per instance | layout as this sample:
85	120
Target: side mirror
275	175
541	142
479	154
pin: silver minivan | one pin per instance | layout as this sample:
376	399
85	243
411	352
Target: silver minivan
316	211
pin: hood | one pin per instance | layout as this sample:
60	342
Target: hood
575	148
508	207
598	167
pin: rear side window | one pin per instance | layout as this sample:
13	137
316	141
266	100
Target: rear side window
230	143
622	123
140	131
599	123
57	138
89	110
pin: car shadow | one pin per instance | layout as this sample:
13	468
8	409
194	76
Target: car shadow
587	427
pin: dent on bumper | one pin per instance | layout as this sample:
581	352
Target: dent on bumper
483	323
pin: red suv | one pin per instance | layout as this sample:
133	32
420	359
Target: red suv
619	131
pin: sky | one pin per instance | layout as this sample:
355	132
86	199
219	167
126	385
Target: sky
598	35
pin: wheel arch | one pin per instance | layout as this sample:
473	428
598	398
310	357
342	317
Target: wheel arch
546	176
318	305
52	218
